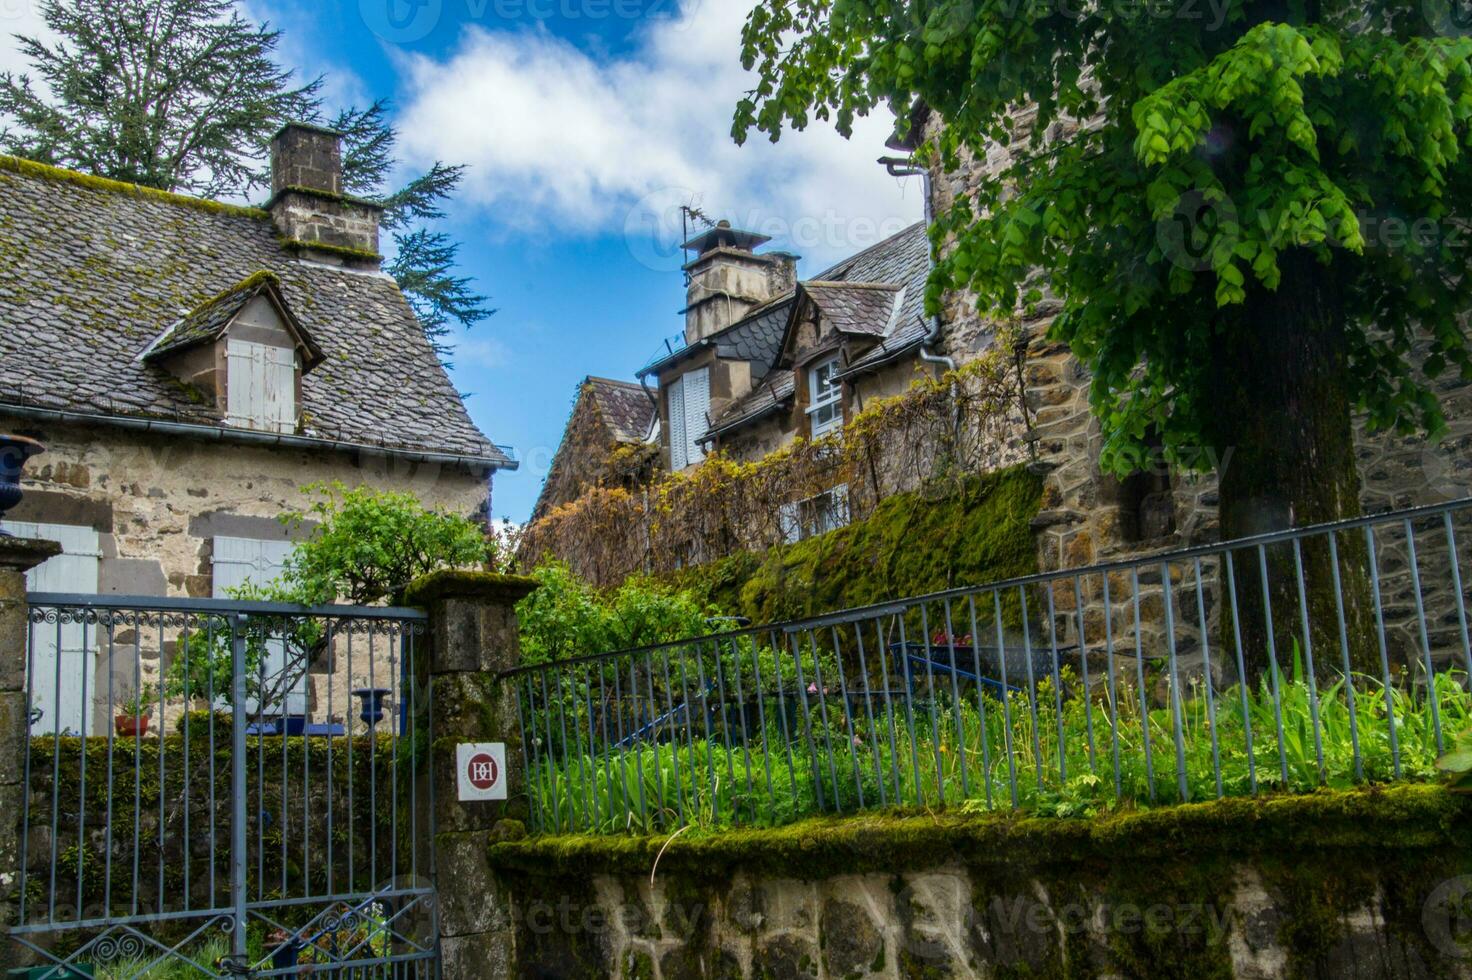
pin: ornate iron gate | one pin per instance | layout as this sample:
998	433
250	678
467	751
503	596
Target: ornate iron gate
209	827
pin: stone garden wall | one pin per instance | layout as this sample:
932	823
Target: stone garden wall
1362	885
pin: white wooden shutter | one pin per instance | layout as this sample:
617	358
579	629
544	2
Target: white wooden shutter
679	448
63	657
247	561
260	386
697	412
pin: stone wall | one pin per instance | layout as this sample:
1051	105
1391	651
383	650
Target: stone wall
158	503
1362	884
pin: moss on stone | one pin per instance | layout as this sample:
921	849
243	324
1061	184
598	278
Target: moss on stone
342	251
462	584
913	544
1410	816
30	168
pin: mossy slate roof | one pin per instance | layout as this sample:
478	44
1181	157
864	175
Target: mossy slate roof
92	273
624	407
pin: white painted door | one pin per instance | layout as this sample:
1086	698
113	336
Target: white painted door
63	663
247	561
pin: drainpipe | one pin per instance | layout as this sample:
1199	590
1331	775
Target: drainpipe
905	167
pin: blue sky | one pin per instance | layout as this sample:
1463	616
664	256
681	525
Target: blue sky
585	124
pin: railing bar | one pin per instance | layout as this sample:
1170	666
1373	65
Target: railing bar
986	753
1206	669
740	710
807	723
853	749
787	736
25	811
373	878
1113	686
592	747
56	731
956	701
217	607
1006	700
724	702
564	700
331	775
1083	659
638	752
1039	765
111	740
1167	591
1349	688
554	757
607	742
894	752
348	728
82	775
761	714
710	761
823	713
904	656
396	688
1267	605
1140	679
1057	688
528	752
1456	563
1425	639
1384	651
1230	561
625	814
669	690
879	780
1308	654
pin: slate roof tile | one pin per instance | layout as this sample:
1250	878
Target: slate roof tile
92	272
624	408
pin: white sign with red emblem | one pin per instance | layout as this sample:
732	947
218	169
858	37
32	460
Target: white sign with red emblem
482	770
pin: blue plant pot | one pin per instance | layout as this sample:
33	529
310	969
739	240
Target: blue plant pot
14	451
373	698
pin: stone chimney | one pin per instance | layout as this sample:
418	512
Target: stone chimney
308	205
727	279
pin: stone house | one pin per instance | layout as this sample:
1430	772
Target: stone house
609	441
765	358
192	365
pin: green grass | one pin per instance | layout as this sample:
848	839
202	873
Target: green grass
956	759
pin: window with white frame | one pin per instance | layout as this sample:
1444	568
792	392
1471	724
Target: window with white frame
689	405
260	386
827	511
825	398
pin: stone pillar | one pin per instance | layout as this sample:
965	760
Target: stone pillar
17	557
473	638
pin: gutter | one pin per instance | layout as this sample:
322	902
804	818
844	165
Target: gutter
211	433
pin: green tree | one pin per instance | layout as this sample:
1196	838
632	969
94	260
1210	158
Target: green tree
184	95
1253	217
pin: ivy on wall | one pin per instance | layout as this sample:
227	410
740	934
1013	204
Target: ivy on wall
936	438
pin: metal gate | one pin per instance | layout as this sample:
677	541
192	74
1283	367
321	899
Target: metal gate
212	826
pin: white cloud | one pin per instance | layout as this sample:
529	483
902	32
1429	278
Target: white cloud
481	352
557	137
20	17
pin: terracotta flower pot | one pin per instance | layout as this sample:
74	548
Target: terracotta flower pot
131	726
14	451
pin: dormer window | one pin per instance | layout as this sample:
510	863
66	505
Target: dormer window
825	398
246	351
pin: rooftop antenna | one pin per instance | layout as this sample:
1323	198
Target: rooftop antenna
690	214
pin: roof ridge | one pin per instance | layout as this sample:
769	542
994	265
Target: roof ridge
872	248
46	171
842	284
613	381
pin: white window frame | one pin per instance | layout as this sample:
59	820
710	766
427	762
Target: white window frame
815	515
825	409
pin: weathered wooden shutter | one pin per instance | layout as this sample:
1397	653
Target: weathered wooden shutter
679	448
697	413
260	386
63	663
247	561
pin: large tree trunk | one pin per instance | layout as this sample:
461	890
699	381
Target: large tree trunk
1284	415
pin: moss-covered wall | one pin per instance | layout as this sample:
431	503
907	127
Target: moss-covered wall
912	545
1365	884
